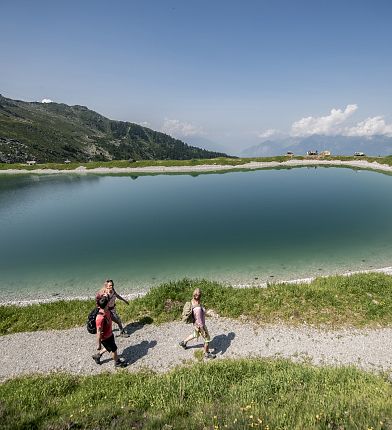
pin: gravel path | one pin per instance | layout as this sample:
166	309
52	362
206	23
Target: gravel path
156	347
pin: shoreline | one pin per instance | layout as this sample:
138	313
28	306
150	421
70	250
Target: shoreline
253	165
137	294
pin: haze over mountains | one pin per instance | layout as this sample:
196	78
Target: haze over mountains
338	145
54	132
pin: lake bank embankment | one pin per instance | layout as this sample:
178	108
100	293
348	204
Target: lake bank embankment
204	168
22	300
336	302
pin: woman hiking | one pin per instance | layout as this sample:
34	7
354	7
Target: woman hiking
109	291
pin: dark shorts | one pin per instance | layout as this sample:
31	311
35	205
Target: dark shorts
109	344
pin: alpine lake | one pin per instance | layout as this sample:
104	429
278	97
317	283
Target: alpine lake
62	235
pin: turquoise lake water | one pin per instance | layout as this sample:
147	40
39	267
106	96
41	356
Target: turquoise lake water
66	234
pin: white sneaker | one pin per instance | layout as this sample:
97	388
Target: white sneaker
209	355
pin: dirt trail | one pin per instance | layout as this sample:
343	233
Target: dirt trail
156	347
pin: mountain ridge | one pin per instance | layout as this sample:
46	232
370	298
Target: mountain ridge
54	132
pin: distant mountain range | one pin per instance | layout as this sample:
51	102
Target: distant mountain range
338	145
54	132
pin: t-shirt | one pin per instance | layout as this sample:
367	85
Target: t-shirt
104	321
111	297
199	314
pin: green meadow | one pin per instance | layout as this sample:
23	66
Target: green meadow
361	300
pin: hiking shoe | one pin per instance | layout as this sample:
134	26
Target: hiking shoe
123	334
209	355
120	363
183	344
97	358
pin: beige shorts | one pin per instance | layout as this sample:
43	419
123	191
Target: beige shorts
203	332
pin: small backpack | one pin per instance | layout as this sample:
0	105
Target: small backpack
91	323
187	313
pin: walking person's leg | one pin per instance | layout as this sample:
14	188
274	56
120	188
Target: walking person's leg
192	336
98	355
207	339
116	318
110	345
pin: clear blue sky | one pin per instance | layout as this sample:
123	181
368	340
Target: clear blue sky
223	70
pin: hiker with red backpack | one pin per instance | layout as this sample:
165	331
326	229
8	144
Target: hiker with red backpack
104	336
195	312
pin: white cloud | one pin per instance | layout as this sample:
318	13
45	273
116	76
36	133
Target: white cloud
46	101
176	128
326	125
335	124
145	124
268	133
370	127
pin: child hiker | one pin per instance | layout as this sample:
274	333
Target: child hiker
199	326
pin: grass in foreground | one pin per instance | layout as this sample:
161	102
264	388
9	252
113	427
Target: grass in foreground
230	394
358	300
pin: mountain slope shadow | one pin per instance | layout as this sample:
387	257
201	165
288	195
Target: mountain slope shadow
222	342
135	352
